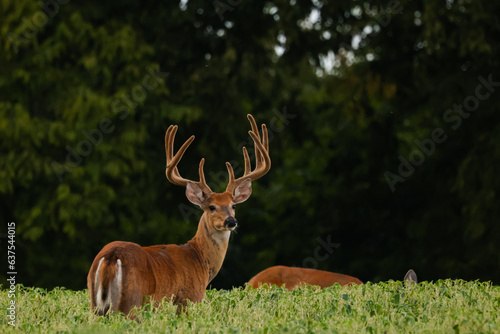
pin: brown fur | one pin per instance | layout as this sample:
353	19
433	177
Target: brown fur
292	277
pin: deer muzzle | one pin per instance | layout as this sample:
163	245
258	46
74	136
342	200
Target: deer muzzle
230	222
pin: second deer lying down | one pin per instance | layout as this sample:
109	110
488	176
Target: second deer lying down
292	277
124	275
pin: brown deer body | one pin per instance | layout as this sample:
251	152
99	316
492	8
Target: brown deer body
125	275
293	277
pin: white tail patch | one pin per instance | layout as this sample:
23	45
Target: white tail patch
108	297
116	286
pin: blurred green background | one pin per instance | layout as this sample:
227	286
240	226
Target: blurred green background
383	117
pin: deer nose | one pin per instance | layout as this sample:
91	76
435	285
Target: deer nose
230	222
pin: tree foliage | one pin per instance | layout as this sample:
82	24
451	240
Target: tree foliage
383	117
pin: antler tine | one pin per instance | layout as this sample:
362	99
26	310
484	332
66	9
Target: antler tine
263	160
202	183
172	171
169	143
260	158
230	171
255	129
254	126
265	164
266	138
248	167
170	129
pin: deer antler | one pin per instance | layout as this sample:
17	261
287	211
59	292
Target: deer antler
262	158
172	172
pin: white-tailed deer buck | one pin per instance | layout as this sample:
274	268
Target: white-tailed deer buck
292	277
124	275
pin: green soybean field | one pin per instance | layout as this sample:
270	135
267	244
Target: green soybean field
445	306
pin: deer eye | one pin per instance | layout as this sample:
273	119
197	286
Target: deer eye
211	208
234	207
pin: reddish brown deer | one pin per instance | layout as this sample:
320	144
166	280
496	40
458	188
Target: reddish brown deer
125	275
292	277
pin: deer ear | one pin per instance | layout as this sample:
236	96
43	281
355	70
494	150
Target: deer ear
411	276
242	191
194	194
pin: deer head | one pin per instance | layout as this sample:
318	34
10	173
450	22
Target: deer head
219	208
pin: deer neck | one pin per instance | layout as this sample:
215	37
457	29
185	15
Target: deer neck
211	247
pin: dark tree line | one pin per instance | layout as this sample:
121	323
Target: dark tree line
384	120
